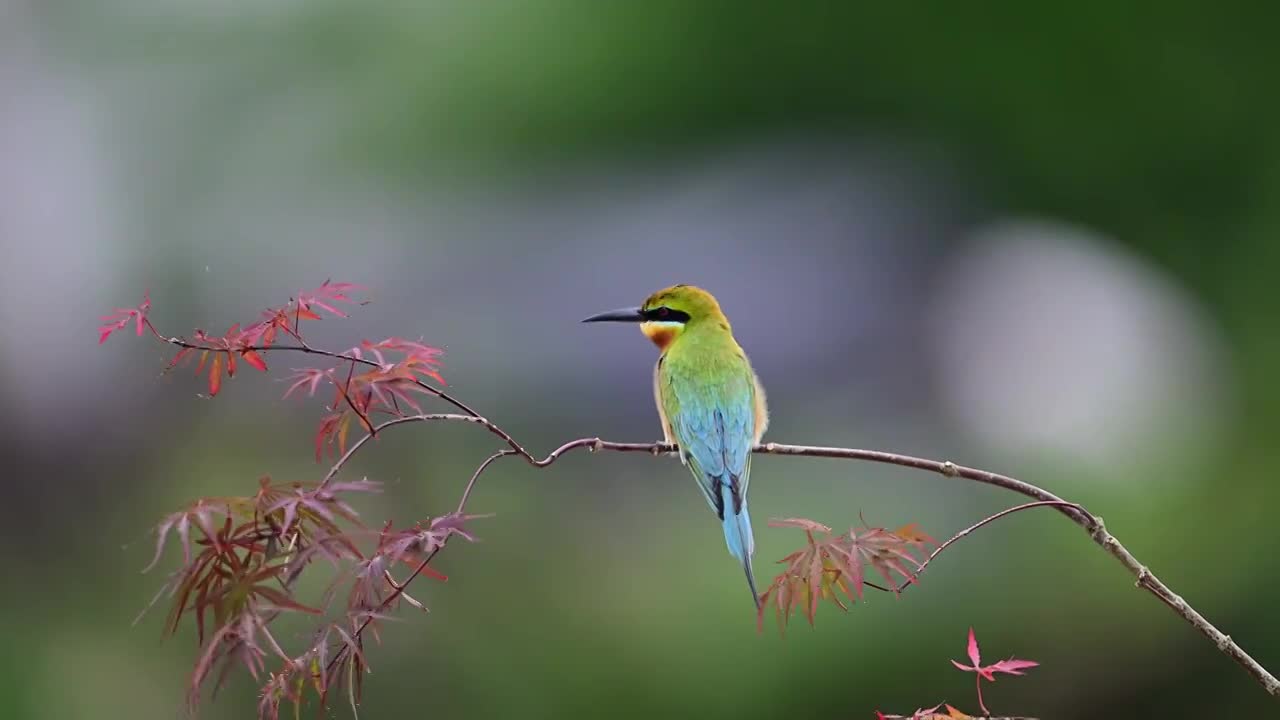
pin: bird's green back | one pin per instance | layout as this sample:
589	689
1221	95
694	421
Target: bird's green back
707	393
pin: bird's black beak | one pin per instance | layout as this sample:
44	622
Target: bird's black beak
623	315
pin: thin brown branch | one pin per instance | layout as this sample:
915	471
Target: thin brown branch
990	519
344	389
466	493
337	466
307	349
396	591
1092	524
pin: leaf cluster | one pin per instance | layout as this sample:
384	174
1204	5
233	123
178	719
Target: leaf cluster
1012	666
391	384
834	564
241	557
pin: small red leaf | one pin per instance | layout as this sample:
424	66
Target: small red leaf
180	356
307	377
343	428
254	359
913	534
283	601
121	318
1013	666
802	523
974	655
215	375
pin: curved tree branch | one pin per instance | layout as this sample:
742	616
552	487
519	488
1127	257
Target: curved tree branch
990	519
1092	524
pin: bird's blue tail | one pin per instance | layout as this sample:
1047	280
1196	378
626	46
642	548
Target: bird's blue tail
737	535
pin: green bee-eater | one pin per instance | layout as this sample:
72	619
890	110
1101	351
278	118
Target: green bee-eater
709	400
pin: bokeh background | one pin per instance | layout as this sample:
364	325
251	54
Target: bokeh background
1031	238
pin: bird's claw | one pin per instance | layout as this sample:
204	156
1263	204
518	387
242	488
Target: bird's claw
659	451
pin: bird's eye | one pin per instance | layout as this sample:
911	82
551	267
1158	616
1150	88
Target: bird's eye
663	312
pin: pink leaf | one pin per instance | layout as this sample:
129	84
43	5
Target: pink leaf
255	360
802	523
306	377
123	316
1013	666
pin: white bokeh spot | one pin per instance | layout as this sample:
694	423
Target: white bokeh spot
1048	338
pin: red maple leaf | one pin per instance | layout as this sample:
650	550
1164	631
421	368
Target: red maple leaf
324	297
389	386
121	318
220	354
1012	666
832	564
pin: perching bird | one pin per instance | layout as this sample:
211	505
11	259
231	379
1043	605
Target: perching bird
709	400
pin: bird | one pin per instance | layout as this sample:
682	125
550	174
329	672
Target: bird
710	402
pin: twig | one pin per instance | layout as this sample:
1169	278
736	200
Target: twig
307	349
990	519
466	493
337	466
344	391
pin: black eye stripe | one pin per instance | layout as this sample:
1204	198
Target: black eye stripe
663	313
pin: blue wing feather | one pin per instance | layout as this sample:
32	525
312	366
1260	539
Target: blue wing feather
715	429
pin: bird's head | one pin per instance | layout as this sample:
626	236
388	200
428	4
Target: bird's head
669	313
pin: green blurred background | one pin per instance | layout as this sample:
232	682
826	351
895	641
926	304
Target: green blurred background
1036	239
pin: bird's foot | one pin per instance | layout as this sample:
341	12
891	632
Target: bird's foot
659	452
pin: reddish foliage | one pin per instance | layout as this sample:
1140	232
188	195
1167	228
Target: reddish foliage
829	563
1012	666
397	373
241	556
237	642
324	297
253	545
121	318
219	353
314	669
